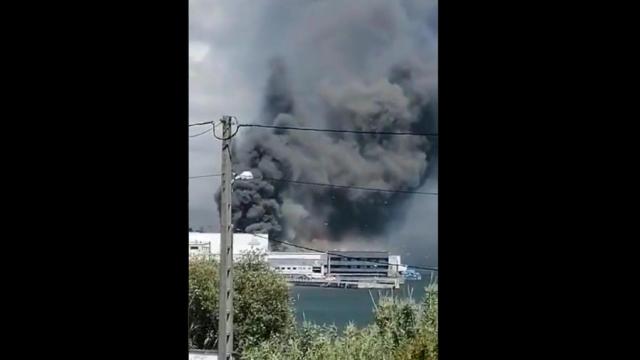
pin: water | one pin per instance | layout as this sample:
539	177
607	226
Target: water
341	306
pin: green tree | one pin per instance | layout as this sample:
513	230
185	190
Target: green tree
403	330
424	345
262	307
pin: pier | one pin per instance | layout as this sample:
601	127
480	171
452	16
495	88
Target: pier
363	283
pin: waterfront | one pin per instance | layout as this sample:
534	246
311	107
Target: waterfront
341	306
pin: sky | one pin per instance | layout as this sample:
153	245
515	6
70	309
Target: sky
230	45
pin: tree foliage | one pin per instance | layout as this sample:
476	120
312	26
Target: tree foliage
261	301
264	325
403	330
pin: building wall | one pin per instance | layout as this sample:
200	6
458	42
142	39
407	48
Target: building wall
289	263
242	243
359	263
350	264
395	270
199	249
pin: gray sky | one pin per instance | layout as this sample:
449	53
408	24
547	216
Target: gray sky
230	44
218	85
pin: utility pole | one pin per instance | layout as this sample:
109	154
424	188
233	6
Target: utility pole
225	320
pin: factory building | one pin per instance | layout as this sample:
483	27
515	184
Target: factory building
208	244
364	264
338	264
308	264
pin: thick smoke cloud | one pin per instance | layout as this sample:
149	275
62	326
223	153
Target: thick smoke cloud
356	65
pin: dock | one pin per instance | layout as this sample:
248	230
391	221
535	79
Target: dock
365	283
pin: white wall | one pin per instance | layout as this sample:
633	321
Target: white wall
198	356
287	256
241	242
393	270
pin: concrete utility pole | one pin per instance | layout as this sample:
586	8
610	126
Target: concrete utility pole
225	321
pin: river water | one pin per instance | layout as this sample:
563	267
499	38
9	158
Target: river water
341	306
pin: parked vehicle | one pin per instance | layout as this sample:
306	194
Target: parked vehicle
411	274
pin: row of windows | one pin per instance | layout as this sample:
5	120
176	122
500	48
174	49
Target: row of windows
378	259
315	269
332	267
358	266
293	267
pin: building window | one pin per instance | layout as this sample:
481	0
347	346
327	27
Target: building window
194	248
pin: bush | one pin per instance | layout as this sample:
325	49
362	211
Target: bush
262	307
424	345
402	330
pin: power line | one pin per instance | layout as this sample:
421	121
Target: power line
202	133
337	130
230	136
229	151
345	256
342	186
322	130
353	187
204	176
201	123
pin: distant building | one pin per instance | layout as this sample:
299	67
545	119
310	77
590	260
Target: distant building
396	268
309	264
208	244
342	264
359	263
199	248
202	355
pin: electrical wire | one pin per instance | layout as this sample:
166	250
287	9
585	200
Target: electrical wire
345	186
204	176
337	130
230	136
201	123
352	187
229	152
362	132
202	133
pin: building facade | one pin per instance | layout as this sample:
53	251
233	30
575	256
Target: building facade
208	244
199	248
308	264
338	264
359	263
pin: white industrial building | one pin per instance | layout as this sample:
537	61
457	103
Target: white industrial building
299	263
208	244
342	264
203	355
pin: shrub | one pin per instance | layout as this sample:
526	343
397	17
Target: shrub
262	307
402	330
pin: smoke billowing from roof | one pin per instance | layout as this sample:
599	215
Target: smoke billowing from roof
356	65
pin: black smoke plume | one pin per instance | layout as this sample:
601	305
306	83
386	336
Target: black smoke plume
365	88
